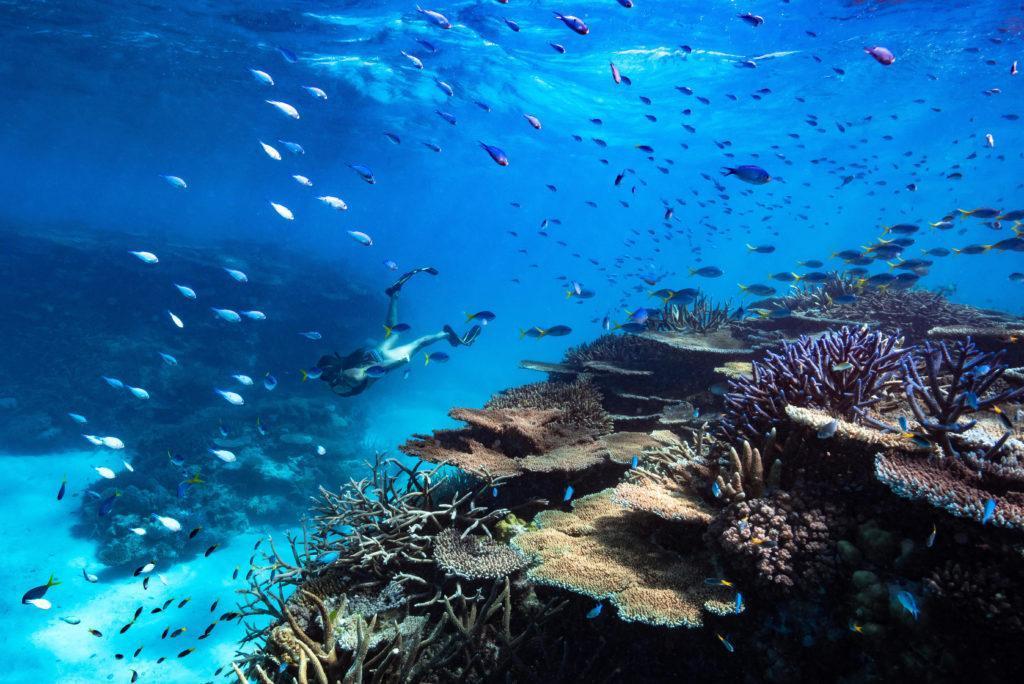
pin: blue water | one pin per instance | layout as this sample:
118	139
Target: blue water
102	98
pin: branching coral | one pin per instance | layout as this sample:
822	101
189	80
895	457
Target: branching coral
701	315
955	384
744	474
839	372
390	535
605	551
821	297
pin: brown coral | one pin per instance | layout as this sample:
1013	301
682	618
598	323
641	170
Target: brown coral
783	543
605	551
579	401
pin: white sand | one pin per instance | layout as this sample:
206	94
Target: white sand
43	648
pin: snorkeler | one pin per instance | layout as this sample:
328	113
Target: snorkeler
352	374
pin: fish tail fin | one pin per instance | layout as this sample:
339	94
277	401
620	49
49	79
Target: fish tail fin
568	294
751	247
1017	230
955	250
542	332
387	332
728	171
426	358
305	375
964	213
522	333
52	581
798	278
892	265
743	287
468	316
987	247
886	230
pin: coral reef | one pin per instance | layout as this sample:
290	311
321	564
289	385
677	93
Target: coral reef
850	508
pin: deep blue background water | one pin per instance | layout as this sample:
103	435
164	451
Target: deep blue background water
100	98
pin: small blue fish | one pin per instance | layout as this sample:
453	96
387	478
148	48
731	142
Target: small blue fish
909	603
739	602
328	557
972	400
904	425
168	359
288	55
63	488
107	504
716	491
990	511
726	643
311	335
595	611
269	382
376	372
634	462
78	418
113	382
568	493
494	492
696	413
931	537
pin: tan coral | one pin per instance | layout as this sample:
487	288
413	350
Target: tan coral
608	552
662	502
816	419
476	556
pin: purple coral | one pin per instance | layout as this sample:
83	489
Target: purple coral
956	383
839	372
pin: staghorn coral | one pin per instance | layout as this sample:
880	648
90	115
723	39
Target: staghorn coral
579	401
605	551
783	543
956	383
476	557
840	372
375	539
701	315
821	297
912	312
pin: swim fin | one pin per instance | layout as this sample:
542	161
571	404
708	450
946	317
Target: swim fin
405	277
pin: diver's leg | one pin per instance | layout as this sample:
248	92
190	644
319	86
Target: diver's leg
392	316
404	353
405	276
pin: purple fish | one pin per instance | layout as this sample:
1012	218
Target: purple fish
497	154
882	55
575	23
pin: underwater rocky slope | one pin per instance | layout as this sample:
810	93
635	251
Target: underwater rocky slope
711	499
60	343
